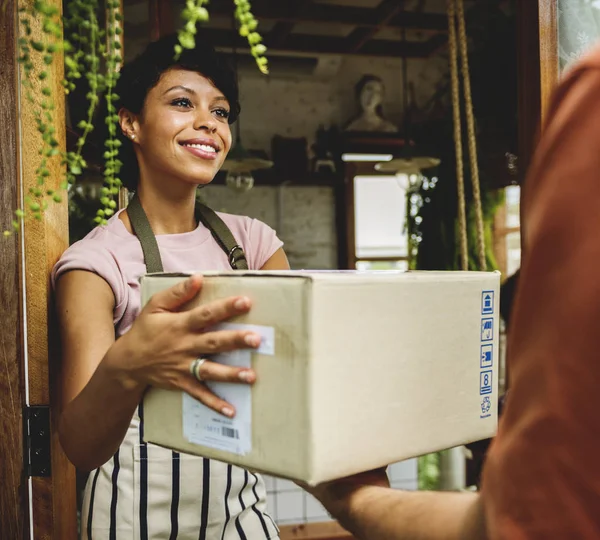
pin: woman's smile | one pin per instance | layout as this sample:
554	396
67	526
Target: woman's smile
203	148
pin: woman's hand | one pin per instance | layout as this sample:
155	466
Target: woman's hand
163	342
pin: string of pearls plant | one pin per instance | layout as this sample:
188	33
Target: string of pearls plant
195	12
92	51
112	163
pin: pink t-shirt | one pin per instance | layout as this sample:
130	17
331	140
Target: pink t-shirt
115	254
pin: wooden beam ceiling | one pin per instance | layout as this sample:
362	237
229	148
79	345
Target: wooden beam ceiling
384	14
313	44
285	10
282	29
309	43
278	35
354	30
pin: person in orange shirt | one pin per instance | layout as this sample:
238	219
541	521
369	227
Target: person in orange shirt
541	479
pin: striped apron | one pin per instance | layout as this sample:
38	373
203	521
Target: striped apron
146	492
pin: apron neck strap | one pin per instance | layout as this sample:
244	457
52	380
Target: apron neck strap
217	227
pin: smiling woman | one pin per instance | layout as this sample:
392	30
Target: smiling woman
189	102
182	135
174	118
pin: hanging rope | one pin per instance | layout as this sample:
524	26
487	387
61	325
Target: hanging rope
456	16
462	215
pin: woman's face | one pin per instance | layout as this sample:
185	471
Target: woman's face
182	133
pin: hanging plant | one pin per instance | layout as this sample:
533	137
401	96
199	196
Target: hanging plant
92	52
112	163
195	12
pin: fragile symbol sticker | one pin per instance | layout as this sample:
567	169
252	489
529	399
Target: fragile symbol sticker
486	405
487	356
487	329
485	382
487	302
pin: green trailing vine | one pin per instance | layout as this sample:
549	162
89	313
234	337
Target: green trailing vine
82	53
247	28
87	46
416	197
92	52
43	109
195	12
112	163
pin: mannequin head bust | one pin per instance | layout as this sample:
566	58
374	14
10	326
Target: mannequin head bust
369	92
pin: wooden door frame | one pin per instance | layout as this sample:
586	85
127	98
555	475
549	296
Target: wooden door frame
28	337
53	497
13	487
161	20
537	65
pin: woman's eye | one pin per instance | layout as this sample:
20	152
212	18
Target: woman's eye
223	113
181	102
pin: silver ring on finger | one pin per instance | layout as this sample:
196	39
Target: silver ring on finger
195	368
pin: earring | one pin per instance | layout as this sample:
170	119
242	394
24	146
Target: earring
132	136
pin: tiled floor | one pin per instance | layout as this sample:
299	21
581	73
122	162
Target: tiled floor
288	503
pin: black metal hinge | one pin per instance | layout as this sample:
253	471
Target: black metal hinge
36	434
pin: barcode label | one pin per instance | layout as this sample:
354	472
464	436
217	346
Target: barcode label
205	427
230	432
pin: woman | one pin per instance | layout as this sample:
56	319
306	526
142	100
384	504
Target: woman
174	118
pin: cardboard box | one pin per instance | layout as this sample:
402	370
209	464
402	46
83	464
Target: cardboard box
357	370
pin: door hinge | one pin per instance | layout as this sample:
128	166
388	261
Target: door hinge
36	434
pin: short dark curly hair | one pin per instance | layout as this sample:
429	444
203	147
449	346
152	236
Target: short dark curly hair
140	75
